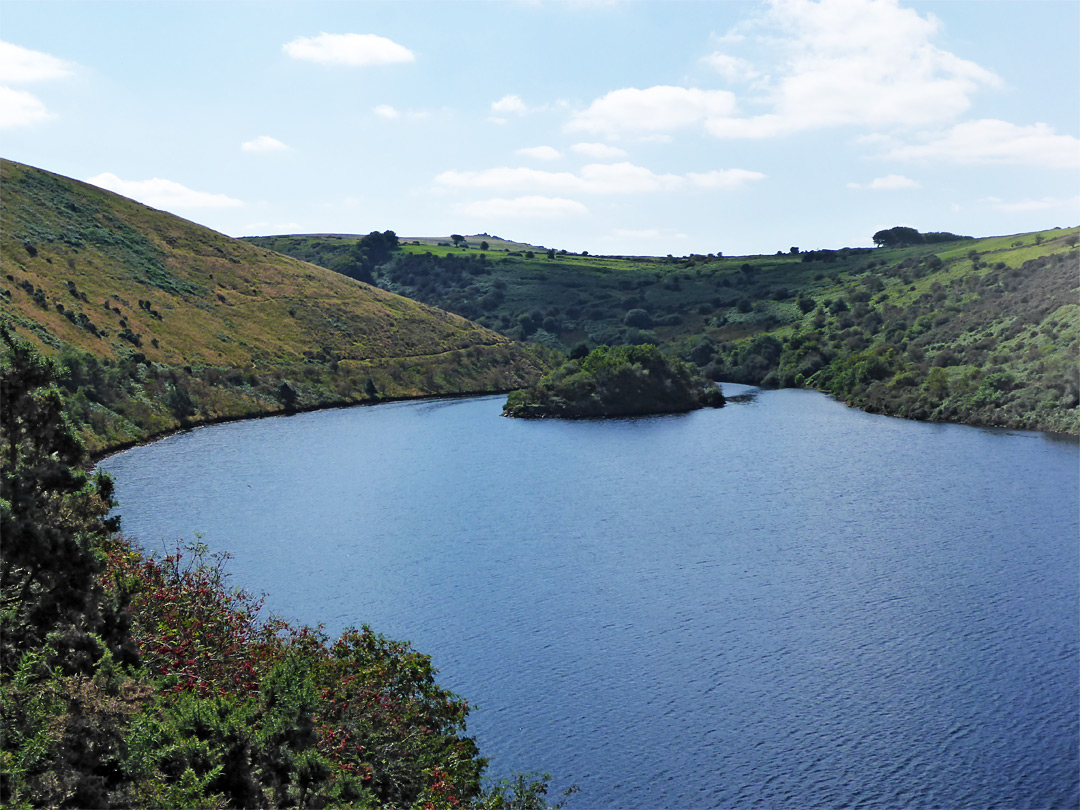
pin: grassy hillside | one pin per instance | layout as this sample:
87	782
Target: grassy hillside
983	331
164	323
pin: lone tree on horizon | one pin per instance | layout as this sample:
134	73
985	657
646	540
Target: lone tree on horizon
899	236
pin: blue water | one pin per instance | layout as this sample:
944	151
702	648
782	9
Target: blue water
784	603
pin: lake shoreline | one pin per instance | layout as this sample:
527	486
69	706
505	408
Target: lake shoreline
630	599
97	458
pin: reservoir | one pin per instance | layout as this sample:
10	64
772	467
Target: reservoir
781	603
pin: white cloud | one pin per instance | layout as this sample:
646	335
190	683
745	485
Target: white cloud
165	194
599	151
509	104
20	109
993	141
868	63
758	126
734	36
654	109
855	62
391	113
732	68
21	65
508	178
871	62
356	50
890	182
596	178
626	178
264	143
540	152
724	179
525	207
1071	204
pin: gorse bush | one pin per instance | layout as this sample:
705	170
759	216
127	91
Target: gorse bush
135	681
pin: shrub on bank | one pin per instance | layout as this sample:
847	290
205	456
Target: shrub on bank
133	681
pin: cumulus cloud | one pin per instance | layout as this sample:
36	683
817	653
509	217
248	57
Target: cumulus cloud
507	178
354	50
530	207
652	110
165	194
599	151
867	63
724	179
626	178
890	182
871	62
540	152
264	143
732	68
509	104
20	65
596	178
386	111
997	142
20	109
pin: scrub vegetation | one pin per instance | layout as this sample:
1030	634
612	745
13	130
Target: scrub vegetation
930	326
135	681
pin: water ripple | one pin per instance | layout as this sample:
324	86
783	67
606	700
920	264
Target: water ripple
784	603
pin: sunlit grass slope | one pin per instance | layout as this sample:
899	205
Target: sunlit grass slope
164	323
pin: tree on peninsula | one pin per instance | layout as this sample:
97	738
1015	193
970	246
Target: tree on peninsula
616	381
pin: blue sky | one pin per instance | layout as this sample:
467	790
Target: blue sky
617	126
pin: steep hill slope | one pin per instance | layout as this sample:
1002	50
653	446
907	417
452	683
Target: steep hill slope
164	323
969	308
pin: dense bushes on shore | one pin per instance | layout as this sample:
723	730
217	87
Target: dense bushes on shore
133	681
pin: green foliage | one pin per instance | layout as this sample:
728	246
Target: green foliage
615	381
823	307
906	237
53	515
523	792
135	681
997	348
